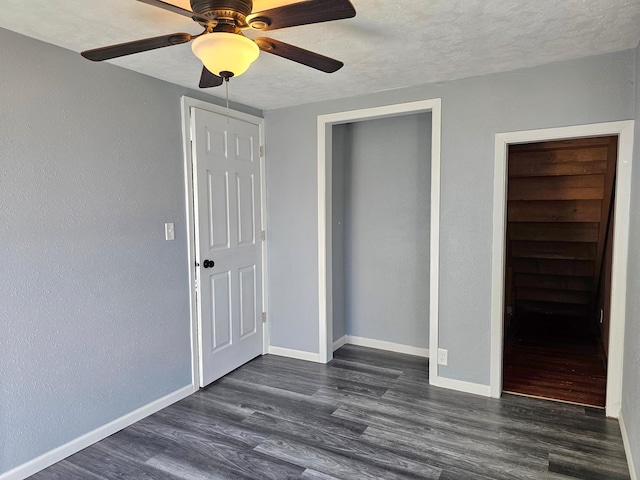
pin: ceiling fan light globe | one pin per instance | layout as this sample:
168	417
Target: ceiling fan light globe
225	52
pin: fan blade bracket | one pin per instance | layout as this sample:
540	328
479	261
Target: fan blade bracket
265	45
259	23
179	38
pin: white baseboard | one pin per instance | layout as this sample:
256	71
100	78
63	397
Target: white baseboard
60	453
462	386
298	354
340	342
627	449
459	385
389	346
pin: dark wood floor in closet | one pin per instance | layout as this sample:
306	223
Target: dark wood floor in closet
366	415
556	357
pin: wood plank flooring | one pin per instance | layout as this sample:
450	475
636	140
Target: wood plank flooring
367	415
558	358
576	375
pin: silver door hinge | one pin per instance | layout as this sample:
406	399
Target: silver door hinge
264	317
263	235
262	150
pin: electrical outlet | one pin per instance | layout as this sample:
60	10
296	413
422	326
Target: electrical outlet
169	231
442	356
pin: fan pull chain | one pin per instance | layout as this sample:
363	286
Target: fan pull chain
227	86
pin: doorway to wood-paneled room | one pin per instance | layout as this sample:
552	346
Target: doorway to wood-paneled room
559	243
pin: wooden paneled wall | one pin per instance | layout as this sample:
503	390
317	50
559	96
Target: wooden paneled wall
558	206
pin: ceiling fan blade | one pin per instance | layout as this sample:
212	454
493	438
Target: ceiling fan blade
297	54
122	49
303	13
208	79
180	11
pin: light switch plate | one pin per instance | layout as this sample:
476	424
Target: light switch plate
169	231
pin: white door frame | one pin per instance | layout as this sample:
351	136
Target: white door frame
325	161
624	130
187	103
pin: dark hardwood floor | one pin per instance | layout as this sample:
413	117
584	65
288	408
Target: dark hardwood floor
367	415
551	356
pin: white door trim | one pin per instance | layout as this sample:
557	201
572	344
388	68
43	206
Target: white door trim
187	103
325	292
624	130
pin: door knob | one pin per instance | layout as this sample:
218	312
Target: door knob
208	263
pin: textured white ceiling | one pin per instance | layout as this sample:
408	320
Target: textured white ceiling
389	44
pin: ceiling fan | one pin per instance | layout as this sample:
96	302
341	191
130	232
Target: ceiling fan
222	47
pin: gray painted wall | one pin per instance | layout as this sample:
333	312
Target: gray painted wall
631	373
386	200
94	303
588	90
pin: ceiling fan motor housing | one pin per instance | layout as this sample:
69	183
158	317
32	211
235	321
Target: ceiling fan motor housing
236	9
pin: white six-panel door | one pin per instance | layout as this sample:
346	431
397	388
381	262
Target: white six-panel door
227	183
